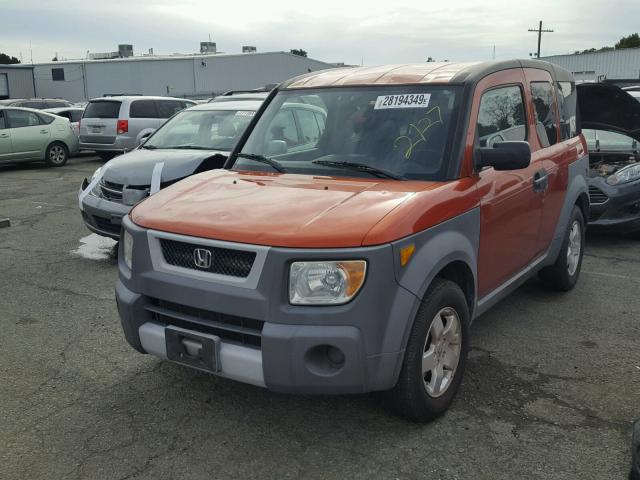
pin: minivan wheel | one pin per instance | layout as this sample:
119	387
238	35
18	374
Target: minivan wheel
56	155
563	274
435	357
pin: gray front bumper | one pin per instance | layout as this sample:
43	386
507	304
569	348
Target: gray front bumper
102	216
371	330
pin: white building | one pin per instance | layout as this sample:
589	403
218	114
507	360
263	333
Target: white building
599	66
193	76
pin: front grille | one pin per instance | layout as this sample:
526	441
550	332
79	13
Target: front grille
111	191
240	330
597	196
223	261
105	224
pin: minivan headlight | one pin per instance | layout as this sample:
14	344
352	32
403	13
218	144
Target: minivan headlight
127	248
325	282
625	175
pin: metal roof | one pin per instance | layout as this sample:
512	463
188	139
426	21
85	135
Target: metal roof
421	73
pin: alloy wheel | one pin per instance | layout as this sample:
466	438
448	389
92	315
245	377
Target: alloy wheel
441	352
57	154
574	248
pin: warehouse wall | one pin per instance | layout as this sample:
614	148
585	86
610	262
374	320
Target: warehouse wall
20	81
600	65
171	76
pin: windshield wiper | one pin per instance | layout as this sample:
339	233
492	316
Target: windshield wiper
378	172
277	166
189	147
149	147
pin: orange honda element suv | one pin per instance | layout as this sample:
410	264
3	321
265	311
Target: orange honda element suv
347	248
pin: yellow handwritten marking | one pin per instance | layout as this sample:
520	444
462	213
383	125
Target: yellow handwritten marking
420	130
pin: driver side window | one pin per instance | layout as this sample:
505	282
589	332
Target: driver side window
283	128
501	116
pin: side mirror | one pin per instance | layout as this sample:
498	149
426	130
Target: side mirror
277	147
504	156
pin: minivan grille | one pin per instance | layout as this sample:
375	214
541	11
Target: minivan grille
245	331
597	196
222	261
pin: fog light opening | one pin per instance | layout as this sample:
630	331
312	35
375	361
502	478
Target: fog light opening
324	360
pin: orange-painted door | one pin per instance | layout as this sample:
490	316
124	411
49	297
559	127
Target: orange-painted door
510	207
556	145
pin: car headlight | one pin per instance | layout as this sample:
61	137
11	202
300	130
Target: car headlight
96	174
625	175
325	283
127	248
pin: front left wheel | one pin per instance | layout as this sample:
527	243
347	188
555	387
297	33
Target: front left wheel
56	155
435	357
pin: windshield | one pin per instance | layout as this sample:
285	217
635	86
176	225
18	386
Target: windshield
391	132
202	129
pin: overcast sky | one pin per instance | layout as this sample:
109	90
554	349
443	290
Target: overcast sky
330	30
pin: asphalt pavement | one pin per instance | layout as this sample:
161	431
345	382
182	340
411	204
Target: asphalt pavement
551	388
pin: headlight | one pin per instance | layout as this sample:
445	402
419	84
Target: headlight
127	248
625	175
96	173
325	283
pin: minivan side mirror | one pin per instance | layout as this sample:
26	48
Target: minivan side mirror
504	156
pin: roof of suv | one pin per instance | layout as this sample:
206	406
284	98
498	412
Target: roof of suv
421	73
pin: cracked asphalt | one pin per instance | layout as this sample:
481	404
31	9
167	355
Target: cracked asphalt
551	389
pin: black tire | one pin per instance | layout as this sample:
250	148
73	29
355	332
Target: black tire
410	398
559	276
56	155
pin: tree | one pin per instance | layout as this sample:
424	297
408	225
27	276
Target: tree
430	59
630	41
299	52
7	60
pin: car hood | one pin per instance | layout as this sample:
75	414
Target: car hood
608	107
136	167
285	210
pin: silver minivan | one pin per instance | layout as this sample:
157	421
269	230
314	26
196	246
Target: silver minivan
114	125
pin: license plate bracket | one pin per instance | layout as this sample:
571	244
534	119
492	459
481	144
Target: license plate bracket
193	349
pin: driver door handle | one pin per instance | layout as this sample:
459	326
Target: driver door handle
540	180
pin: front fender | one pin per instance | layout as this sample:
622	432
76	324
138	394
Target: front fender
455	240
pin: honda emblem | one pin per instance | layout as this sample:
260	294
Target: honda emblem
202	258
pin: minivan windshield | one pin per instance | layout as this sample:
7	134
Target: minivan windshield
201	130
398	132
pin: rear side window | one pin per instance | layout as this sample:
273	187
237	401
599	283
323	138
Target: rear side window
143	109
567	105
46	119
546	116
22	118
102	109
167	108
75	115
501	117
3	124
